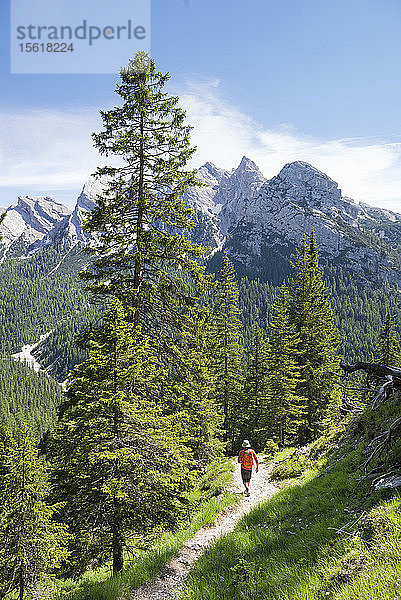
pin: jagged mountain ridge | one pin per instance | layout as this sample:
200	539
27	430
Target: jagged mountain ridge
29	221
69	232
259	222
256	220
262	221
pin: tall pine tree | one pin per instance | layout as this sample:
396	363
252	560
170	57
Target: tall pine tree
228	355
285	410
388	350
310	312
120	464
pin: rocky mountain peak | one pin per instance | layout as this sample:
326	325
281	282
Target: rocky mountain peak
41	205
30	220
202	199
86	201
209	169
235	193
247	165
300	169
314	185
87	198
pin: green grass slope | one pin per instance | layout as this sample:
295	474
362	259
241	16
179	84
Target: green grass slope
146	557
326	535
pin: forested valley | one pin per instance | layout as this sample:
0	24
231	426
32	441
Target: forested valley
157	369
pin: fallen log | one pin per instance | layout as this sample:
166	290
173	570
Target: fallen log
378	371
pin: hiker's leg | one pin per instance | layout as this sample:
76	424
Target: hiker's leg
243	477
246	475
249	482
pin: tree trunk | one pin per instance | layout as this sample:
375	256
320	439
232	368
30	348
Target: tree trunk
118	558
21	582
139	225
226	423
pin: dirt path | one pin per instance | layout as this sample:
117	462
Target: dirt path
172	577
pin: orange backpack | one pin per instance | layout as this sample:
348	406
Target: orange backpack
247	459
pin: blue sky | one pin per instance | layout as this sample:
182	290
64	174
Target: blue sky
275	80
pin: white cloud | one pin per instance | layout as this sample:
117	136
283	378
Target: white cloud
366	170
47	148
52	150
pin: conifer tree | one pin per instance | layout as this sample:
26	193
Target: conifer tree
228	358
253	402
5	444
140	218
285	409
120	464
388	350
193	384
31	542
310	312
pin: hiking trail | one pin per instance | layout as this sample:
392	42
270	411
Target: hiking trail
171	579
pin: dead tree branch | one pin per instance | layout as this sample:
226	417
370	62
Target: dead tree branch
388	379
381	446
382	393
378	371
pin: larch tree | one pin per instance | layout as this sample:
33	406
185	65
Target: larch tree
227	351
388	350
310	313
31	542
120	464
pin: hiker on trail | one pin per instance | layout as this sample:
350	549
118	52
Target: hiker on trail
247	458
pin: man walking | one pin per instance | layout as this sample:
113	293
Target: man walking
247	458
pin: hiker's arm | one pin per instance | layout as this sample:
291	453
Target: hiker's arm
240	456
257	462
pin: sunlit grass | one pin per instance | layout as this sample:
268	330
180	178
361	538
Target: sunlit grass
291	547
209	502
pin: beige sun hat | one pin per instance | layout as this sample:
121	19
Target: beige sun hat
246	444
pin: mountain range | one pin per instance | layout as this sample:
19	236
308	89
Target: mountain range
259	222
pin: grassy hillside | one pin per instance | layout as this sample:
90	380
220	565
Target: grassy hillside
146	557
327	534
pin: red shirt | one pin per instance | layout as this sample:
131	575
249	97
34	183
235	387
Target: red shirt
241	458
